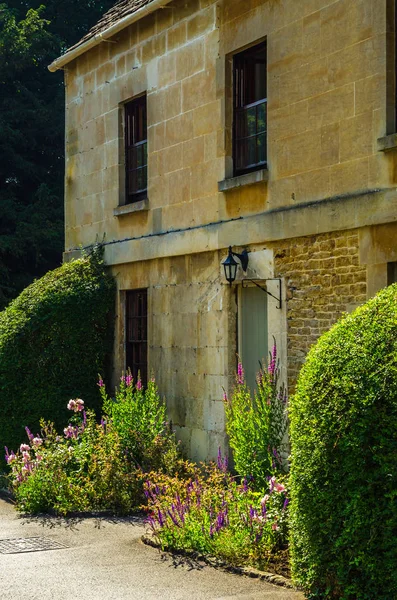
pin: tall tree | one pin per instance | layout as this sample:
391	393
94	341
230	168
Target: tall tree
32	134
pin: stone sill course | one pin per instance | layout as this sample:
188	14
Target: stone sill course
126	209
231	183
387	143
215	562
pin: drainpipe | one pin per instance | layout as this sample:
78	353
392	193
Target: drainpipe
66	58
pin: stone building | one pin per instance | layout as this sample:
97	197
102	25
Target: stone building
264	125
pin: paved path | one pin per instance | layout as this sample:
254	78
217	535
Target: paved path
105	560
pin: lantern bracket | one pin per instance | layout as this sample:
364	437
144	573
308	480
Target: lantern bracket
278	298
243	258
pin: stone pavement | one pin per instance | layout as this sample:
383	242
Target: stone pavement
104	559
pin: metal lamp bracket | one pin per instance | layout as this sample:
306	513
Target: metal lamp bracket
278	298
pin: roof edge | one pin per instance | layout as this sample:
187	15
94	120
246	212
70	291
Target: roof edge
66	58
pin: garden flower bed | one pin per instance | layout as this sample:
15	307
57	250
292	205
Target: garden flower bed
130	460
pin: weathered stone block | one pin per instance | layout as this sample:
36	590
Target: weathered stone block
191	60
201	23
198	89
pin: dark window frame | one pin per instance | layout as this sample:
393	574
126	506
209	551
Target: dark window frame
249	110
135	137
136	333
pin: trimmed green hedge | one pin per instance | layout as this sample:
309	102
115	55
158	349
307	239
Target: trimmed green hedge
344	458
54	340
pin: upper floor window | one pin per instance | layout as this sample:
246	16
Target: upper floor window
250	110
136	150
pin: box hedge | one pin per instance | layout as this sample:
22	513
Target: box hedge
54	340
344	458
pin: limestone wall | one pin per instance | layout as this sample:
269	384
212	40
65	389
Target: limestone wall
192	342
327	107
326	101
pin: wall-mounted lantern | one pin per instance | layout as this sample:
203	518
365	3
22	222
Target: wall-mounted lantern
230	266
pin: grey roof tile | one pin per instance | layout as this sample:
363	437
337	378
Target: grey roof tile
120	10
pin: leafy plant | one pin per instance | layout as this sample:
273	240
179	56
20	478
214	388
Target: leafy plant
256	425
139	417
344	458
59	326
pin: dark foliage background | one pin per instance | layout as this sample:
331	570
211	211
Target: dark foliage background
32	134
54	340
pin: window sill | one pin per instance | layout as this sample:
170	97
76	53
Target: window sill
126	209
387	143
241	180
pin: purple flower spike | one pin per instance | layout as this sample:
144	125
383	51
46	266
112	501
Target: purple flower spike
222	463
240	374
100	383
29	433
273	362
160	517
173	518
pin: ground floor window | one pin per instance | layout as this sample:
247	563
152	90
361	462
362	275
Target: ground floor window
136	333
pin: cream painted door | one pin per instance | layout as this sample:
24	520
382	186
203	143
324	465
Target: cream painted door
253	332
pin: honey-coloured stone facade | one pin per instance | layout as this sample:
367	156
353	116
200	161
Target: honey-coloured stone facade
316	214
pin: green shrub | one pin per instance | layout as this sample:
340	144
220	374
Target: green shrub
54	339
344	458
256	424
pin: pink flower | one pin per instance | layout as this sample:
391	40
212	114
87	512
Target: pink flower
265	499
139	384
10	458
100	383
225	398
26	457
128	380
70	431
76	405
275	527
279	487
24	448
37	441
39	457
